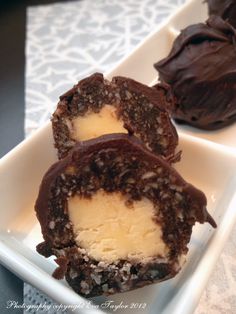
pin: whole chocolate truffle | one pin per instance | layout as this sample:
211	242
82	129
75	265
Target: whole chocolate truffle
201	69
224	8
116	216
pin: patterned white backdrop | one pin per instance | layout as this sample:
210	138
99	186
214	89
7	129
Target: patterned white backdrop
67	41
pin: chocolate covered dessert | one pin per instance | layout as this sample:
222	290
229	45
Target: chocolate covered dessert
201	70
116	216
224	8
96	106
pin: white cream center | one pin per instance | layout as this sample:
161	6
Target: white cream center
109	230
96	124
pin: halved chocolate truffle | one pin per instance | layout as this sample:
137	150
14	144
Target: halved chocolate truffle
95	107
201	70
116	216
224	8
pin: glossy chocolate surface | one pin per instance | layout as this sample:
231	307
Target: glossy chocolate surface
201	69
224	8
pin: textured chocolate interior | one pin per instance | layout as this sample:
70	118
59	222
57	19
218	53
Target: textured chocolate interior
141	109
116	163
201	70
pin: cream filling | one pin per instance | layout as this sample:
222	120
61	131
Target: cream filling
96	124
110	230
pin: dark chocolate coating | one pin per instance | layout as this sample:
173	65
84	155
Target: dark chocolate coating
201	70
141	109
116	163
224	8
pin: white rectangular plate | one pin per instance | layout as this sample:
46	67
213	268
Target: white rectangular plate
206	164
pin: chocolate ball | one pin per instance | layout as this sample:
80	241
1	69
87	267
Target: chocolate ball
201	70
96	106
224	8
116	216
